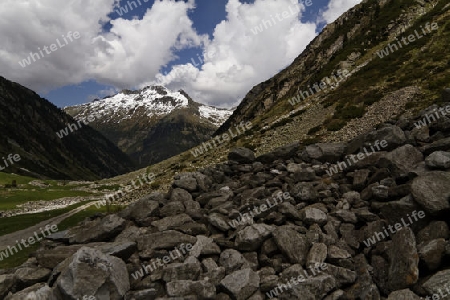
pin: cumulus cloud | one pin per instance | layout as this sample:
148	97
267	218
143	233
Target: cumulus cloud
336	8
237	57
132	52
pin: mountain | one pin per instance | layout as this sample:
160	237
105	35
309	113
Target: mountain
380	60
152	124
28	126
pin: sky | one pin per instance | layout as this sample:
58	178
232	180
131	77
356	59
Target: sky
73	51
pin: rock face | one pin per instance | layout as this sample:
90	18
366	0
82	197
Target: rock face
277	226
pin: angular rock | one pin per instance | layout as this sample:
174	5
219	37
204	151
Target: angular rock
402	161
183	288
29	276
393	135
404	260
180	195
213	272
325	152
99	230
231	260
435	230
38	291
204	246
307	174
240	285
313	288
335	254
142	294
172	209
438	160
164	240
219	221
292	244
185	181
91	272
189	270
432	191
141	210
432	253
251	237
317	254
438	283
439	145
311	215
172	222
360	179
7	282
345	216
242	155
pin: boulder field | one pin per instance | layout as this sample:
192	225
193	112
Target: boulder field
259	227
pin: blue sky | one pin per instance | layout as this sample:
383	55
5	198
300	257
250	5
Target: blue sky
208	48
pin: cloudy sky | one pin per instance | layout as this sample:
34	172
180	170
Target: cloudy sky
216	50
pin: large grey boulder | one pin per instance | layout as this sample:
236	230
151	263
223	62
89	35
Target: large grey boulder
190	269
142	209
438	283
242	155
251	237
162	240
99	230
432	191
28	276
393	135
404	260
172	222
50	258
219	221
292	244
432	253
240	285
439	145
438	160
185	181
317	254
311	215
7	282
434	230
402	160
231	260
39	291
325	152
90	272
204	246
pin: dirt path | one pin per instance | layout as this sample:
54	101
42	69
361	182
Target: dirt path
11	238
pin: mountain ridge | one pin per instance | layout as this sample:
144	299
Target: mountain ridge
153	123
28	125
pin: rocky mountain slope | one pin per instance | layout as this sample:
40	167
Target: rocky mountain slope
29	126
379	60
365	219
152	124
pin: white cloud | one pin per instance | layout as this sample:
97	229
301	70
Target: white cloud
237	59
336	8
133	52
